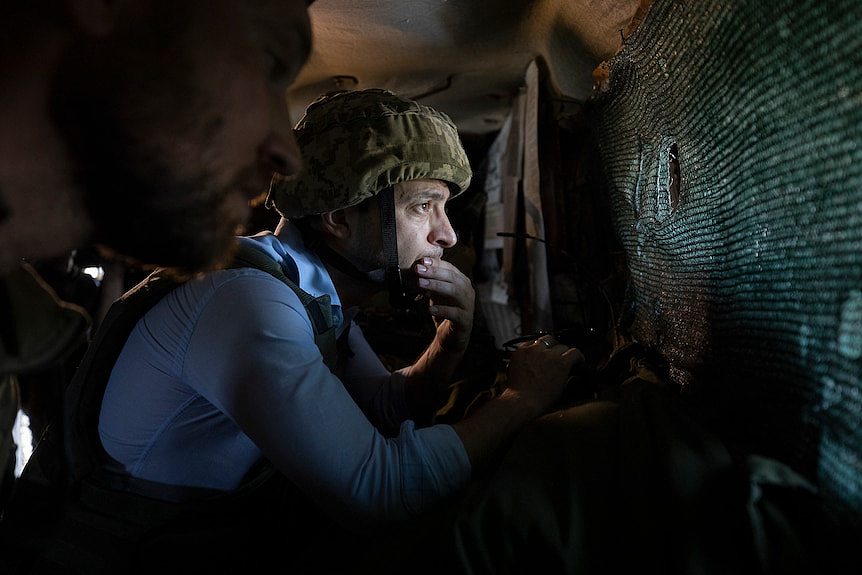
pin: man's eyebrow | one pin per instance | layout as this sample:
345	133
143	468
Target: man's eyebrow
293	41
294	48
305	39
429	194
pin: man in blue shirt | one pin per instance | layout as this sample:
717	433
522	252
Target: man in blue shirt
224	371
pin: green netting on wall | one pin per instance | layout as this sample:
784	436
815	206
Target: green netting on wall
731	140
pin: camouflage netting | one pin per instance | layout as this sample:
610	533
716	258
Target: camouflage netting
731	138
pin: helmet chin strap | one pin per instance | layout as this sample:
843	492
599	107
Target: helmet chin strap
398	292
401	296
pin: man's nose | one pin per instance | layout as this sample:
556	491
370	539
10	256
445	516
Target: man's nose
281	153
279	150
443	234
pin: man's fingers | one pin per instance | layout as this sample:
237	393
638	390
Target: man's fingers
450	312
449	274
441	287
575	355
447	284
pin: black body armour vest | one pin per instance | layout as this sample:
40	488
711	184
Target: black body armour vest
68	515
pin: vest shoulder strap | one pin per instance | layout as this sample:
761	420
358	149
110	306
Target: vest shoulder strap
116	522
319	309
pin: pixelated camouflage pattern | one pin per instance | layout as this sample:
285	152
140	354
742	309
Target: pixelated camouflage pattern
355	144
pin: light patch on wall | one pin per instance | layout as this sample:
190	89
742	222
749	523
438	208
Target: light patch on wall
806	338
850	328
667	182
674	182
830	394
657	189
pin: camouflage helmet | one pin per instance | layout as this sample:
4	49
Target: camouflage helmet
356	144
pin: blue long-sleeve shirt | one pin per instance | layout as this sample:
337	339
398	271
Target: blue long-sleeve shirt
224	370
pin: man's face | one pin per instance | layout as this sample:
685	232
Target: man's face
178	118
422	226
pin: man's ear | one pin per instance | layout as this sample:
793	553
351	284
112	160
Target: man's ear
336	223
94	17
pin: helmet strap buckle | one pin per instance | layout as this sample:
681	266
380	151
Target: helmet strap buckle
402	295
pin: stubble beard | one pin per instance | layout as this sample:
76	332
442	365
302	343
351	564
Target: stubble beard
140	207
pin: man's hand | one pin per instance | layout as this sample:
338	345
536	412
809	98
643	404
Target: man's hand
538	371
451	301
537	376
